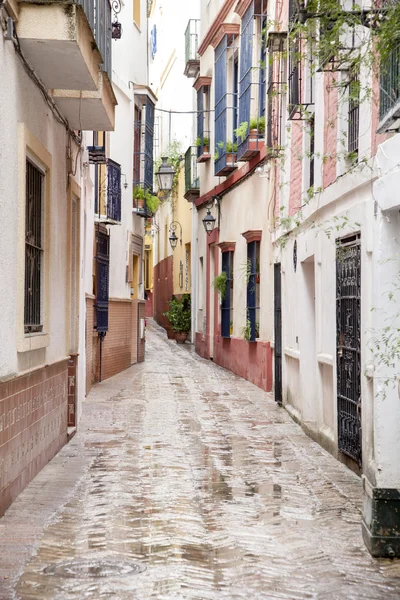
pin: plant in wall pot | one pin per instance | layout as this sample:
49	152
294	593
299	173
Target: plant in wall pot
179	315
257	127
245	331
231	150
219	284
241	131
206	144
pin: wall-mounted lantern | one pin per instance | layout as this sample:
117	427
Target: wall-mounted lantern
209	220
165	175
173	238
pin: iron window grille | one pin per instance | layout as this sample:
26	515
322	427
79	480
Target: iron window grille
389	101
97	152
354	115
33	248
227	302
311	133
192	180
252	81
275	91
143	171
203	119
253	288
225	105
113	190
192	59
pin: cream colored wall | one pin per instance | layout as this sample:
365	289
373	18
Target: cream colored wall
183	214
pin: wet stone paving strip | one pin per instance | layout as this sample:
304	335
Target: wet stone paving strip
185	481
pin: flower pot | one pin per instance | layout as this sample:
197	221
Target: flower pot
205	149
230	158
258	278
181	337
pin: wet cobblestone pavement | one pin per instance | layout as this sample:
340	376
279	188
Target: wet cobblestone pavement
187	482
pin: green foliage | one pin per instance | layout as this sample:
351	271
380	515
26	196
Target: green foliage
179	314
231	147
246	270
206	141
219	284
245	331
241	131
258	123
142	196
198	142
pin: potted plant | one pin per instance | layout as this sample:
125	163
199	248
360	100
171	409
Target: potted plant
206	144
241	131
231	328
152	202
257	272
231	150
245	331
257	329
198	142
257	127
219	284
138	196
179	315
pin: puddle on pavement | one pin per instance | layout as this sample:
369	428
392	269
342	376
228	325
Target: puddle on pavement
203	495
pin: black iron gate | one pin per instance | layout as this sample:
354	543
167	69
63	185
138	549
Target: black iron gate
278	331
348	317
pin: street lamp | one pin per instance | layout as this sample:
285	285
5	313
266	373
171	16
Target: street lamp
173	239
165	176
209	222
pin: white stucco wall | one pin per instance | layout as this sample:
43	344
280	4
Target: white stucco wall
22	103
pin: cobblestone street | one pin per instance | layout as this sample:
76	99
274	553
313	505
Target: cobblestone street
185	481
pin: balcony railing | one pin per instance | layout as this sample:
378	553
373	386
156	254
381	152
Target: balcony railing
98	14
192	59
389	102
192	180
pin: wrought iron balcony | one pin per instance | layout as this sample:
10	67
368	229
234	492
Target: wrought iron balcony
192	180
192	59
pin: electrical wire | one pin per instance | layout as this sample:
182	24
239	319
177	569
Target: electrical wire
184	112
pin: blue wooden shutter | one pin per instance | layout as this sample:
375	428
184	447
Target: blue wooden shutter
220	96
148	145
227	259
200	119
102	276
251	288
246	64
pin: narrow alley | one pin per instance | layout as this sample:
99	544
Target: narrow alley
186	481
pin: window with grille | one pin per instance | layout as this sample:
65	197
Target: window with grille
389	100
353	117
253	289
227	302
33	249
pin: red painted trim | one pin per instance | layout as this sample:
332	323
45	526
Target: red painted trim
215	25
225	29
235	179
227	246
202	81
252	235
242	6
213	238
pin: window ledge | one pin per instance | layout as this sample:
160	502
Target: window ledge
33	341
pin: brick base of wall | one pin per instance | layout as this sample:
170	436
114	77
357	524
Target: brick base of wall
121	346
33	426
149	304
